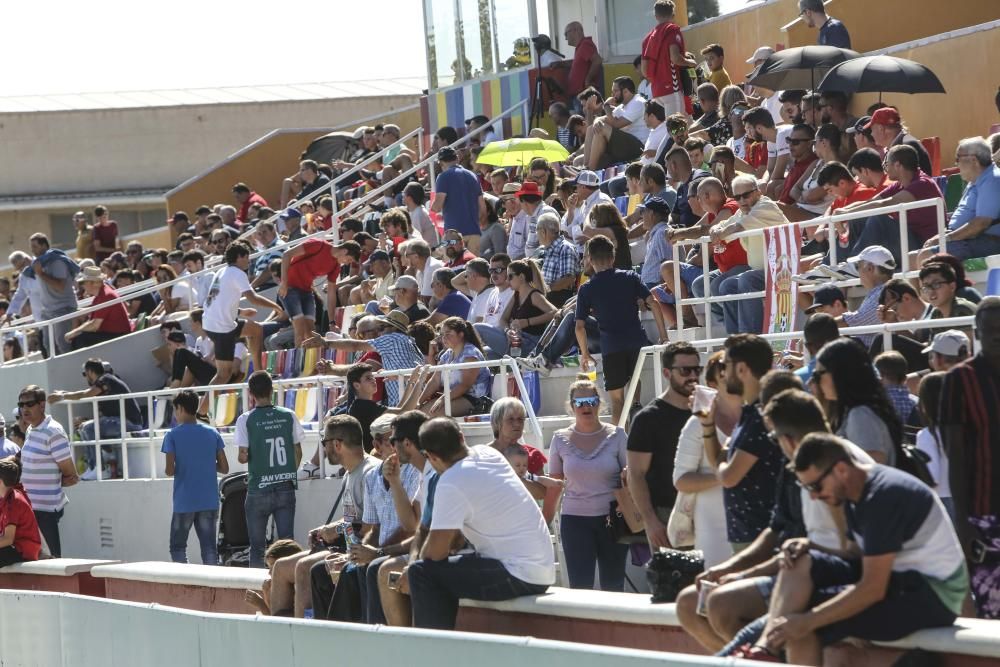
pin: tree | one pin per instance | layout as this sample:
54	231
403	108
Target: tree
699	10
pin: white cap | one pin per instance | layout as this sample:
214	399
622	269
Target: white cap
761	53
877	255
950	343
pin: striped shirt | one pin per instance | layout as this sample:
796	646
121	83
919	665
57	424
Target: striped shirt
379	508
44	448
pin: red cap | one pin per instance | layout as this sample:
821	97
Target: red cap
884	116
529	188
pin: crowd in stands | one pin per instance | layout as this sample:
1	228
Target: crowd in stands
838	466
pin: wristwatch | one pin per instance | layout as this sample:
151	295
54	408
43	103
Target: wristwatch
380	553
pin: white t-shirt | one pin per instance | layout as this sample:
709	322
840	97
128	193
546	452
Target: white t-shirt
634	111
426	276
423	227
548	59
653	142
496	303
186	295
738	146
938	465
480	303
223	300
774	106
483	497
780	145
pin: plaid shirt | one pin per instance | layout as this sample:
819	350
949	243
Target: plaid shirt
272	252
902	401
867	313
398	351
560	259
379	509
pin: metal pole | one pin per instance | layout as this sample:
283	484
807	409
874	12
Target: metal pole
123	432
904	242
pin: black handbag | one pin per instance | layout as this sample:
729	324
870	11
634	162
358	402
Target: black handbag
670	571
914	461
618	527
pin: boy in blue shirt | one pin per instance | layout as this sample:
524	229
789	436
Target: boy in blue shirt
195	453
612	296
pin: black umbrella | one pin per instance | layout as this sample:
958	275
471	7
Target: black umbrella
331	147
799	68
881	74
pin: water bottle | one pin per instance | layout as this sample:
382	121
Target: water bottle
515	343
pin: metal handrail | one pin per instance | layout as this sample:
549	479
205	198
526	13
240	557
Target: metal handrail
153	435
361	201
886	330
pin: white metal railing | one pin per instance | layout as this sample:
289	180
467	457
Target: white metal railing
152	436
354	206
886	330
829	221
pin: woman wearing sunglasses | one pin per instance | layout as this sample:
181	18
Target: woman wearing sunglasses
589	456
855	402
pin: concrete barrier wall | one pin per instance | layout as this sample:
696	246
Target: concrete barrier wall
80	632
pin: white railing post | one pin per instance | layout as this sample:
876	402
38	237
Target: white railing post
657	372
503	379
632	384
446	389
904	242
834	241
942	234
98	459
707	284
123	430
151	445
678	306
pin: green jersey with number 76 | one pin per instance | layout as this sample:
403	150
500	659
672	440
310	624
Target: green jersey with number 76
269	433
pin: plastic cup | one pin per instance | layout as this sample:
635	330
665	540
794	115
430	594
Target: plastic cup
703	397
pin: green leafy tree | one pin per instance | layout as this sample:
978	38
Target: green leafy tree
699	10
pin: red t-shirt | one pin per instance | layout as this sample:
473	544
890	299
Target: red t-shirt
461	260
582	57
376	357
15	510
793	176
921	221
756	153
664	76
114	318
315	262
728	255
107	236
244	211
320	221
860	193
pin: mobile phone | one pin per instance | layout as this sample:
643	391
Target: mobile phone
394	578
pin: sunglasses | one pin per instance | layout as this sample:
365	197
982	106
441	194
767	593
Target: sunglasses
497	271
591	401
796	142
451	242
817	486
740	196
27	404
687	370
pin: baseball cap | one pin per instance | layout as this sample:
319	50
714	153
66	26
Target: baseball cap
406	282
587	178
875	254
826	295
884	116
860	126
290	214
761	53
542	41
950	343
658	204
447	154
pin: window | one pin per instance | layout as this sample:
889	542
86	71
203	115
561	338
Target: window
629	21
442	51
129	222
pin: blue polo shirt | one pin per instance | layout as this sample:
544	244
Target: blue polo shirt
979	199
610	296
834	33
461	207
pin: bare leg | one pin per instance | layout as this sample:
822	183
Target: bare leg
734	605
395	605
303	590
693	623
588	141
617	397
303	328
223	371
282	593
599	144
792	593
254	336
472	242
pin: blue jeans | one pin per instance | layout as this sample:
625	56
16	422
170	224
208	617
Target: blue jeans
586	542
437	585
496	344
715	279
299	303
983	245
260	506
204	523
745	315
110	428
371	603
884	231
565	338
690	273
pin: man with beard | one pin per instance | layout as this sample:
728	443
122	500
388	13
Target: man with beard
619	135
652	441
456	252
749	468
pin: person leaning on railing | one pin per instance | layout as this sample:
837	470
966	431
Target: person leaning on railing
469	388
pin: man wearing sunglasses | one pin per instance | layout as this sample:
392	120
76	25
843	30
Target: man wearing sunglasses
456	252
905	570
48	465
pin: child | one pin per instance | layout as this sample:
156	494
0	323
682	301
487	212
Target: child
195	453
517	456
929	438
279	549
19	537
611	296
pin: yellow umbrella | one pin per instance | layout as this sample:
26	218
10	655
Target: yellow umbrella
520	152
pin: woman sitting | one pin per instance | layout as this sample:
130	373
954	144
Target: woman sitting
12	349
469	388
589	456
176	299
528	312
19	537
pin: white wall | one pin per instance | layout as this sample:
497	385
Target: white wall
77	631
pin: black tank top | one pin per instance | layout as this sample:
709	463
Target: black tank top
522	311
623	253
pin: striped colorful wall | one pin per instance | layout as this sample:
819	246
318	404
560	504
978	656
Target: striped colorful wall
489	97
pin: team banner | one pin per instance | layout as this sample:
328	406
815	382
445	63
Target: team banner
780	291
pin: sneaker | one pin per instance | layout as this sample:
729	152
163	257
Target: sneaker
308	471
536	363
811	277
89	476
843	271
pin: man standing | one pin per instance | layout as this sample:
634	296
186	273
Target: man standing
246	198
270	443
831	31
84	237
459	198
652	442
48	465
586	68
478	495
970	429
749	468
300	266
56	274
663	58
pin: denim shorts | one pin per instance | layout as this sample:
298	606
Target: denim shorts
300	303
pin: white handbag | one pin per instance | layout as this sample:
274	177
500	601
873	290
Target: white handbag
680	525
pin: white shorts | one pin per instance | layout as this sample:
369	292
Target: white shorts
672	103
